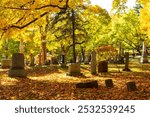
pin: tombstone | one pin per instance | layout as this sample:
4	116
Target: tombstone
93	62
109	83
54	60
131	86
89	84
74	69
126	62
6	63
17	68
47	62
102	66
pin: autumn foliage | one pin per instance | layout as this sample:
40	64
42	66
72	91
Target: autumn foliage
52	83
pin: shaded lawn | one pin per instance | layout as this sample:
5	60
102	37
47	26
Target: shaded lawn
51	83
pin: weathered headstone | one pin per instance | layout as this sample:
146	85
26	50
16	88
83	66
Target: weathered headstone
89	84
6	63
93	62
74	69
102	66
109	83
47	62
17	69
54	60
126	62
131	86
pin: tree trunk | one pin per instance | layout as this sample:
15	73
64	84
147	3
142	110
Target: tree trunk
6	48
73	36
83	54
21	47
43	50
43	44
144	54
93	63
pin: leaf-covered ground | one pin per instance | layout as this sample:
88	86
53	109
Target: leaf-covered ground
52	83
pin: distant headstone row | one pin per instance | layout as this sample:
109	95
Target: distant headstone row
131	86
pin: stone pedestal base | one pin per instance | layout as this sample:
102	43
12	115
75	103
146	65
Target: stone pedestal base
17	73
74	69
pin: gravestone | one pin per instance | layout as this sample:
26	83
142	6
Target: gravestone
17	68
131	86
54	60
126	62
89	84
47	62
93	62
74	69
109	83
102	66
6	63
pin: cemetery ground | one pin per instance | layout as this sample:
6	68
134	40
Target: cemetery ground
52	83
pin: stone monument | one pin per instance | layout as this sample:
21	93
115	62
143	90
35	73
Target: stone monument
74	69
17	69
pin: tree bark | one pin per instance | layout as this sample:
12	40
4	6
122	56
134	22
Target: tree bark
83	54
43	44
43	51
73	36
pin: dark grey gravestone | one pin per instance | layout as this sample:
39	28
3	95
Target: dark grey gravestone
102	66
131	86
90	84
109	83
17	69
